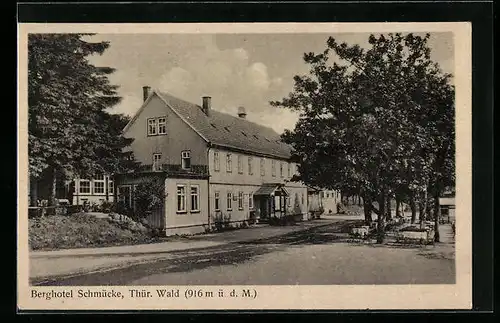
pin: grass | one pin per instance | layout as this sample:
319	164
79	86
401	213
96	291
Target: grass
83	230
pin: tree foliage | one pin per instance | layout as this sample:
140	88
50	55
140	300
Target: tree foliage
71	131
378	121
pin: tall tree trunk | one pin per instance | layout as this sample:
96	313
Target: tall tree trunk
388	208
53	187
33	191
413	207
106	187
367	208
437	216
381	219
423	208
398	206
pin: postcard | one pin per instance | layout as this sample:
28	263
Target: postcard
244	166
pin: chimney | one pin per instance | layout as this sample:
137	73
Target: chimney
206	105
146	90
242	113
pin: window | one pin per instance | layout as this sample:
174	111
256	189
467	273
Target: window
84	186
152	127
111	187
99	184
240	200
322	194
289	169
262	169
229	163
273	168
156	162
98	187
240	165
327	195
157	126
250	168
281	170
186	159
217	201
181	198
216	161
195	198
229	201
250	201
162	126
289	201
302	199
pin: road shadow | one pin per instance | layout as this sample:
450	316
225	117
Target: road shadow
317	235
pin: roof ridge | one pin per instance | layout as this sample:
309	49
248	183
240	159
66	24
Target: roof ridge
221	112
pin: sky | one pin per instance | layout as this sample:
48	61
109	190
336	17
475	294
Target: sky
246	70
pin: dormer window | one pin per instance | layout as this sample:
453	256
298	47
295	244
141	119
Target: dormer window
157	126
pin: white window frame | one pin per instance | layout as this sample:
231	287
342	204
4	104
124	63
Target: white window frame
229	202
240	164
80	187
250	200
152	126
197	196
240	201
289	170
185	154
99	181
262	167
273	168
181	195
216	161
111	187
282	172
217	201
250	165
229	163
156	162
162	125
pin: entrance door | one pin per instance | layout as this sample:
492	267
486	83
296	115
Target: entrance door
263	201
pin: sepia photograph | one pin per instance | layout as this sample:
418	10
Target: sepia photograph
159	158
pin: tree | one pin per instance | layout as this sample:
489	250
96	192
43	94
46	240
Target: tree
71	132
374	120
149	196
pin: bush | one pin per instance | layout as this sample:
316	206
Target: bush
83	230
413	229
221	221
149	195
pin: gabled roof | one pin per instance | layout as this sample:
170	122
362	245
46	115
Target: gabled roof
269	188
228	131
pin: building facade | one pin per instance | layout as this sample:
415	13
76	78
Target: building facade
92	191
330	200
216	166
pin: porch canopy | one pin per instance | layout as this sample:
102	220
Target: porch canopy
268	189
